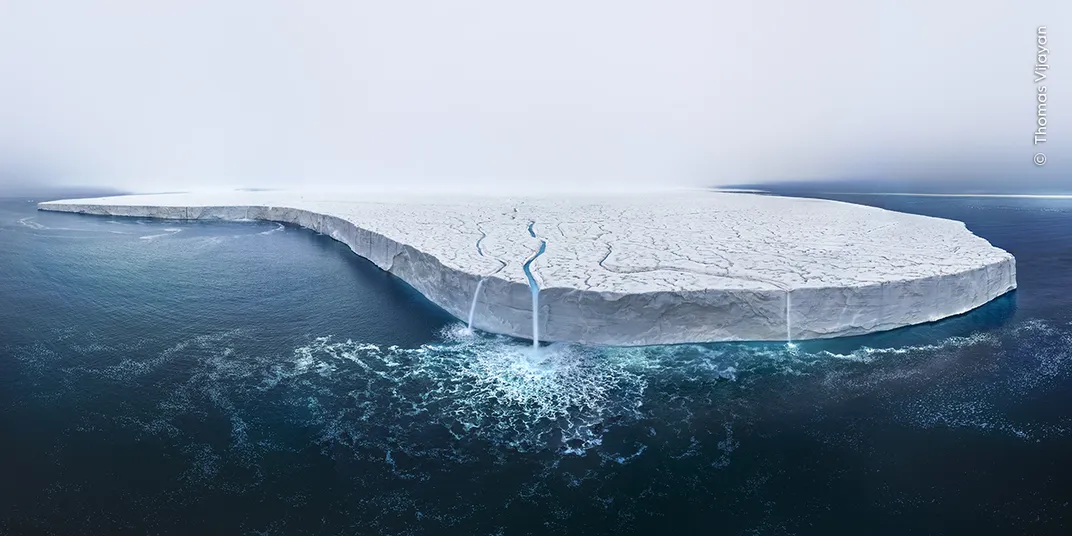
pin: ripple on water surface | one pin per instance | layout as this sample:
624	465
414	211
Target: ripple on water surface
410	415
562	398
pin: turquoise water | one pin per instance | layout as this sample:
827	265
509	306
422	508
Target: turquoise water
253	378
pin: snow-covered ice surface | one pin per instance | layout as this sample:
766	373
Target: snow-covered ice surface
674	267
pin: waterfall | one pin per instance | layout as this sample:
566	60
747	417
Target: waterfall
472	308
536	318
788	322
535	288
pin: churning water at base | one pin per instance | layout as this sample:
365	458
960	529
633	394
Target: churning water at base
217	379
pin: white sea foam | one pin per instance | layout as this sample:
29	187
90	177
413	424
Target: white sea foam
586	416
277	228
28	222
167	232
494	390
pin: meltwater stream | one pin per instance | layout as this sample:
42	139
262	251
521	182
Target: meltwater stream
535	288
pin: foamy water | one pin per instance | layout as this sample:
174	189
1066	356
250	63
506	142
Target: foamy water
305	392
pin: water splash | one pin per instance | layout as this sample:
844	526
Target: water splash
482	387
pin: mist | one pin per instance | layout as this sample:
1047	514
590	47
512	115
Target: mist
477	95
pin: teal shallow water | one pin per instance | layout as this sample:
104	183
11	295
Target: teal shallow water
240	378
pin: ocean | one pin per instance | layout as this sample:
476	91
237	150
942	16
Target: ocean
167	377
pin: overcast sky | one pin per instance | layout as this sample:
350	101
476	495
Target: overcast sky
481	94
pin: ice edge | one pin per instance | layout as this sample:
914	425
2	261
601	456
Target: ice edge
608	318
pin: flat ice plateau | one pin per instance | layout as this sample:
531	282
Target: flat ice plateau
675	267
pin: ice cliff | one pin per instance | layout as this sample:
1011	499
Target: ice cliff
634	270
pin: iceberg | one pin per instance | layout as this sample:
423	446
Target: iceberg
629	269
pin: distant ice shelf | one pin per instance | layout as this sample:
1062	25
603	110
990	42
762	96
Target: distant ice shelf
676	267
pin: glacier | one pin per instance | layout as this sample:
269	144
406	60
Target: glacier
636	269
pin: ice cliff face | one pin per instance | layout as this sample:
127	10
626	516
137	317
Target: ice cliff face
634	270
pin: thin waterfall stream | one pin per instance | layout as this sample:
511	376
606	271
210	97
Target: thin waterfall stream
472	308
788	321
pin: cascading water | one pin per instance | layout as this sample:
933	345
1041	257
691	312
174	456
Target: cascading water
535	288
788	322
472	308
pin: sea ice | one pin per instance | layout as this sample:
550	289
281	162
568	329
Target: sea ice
675	267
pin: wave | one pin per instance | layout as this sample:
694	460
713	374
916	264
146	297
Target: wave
36	226
28	222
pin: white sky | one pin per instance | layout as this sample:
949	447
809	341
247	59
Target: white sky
485	94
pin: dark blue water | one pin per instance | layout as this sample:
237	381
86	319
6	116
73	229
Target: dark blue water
249	378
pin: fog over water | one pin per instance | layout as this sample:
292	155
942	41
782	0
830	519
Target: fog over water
481	95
